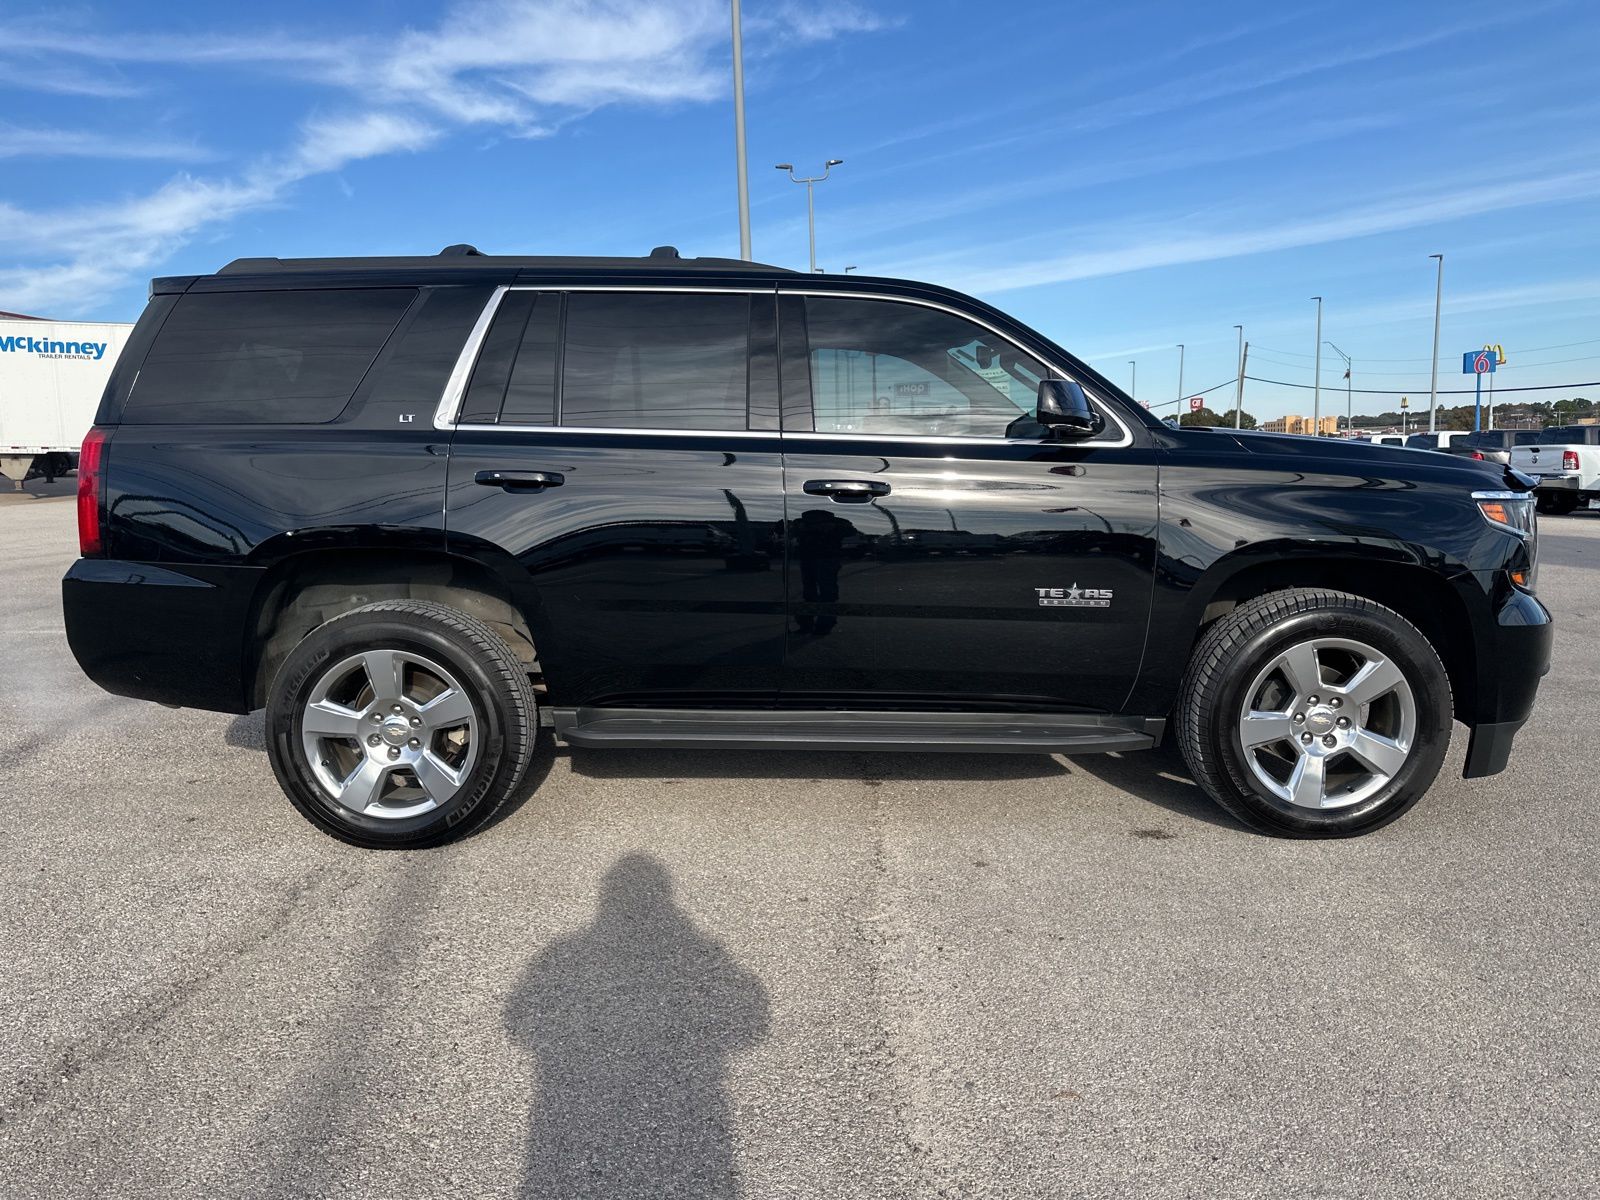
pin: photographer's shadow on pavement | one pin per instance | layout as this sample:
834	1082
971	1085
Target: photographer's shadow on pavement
631	1023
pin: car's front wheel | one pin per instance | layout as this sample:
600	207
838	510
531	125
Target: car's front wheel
400	724
1311	713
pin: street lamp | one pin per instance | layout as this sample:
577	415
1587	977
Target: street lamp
1349	408
1180	374
1133	381
1433	388
850	268
741	164
1316	393
811	199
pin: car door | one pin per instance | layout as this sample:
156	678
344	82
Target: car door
617	457
944	550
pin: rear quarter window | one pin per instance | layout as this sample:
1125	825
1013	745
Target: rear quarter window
277	357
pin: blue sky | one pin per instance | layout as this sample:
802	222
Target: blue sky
1125	177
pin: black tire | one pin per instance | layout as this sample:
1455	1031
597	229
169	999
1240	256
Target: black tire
502	706
1565	504
1241	645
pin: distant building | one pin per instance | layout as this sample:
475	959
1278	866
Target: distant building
1294	423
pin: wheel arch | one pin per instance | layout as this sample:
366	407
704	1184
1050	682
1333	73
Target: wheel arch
1430	601
299	592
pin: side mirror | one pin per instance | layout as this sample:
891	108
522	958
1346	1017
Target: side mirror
1066	411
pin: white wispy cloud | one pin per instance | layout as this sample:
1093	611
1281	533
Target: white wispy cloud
515	67
33	141
1172	240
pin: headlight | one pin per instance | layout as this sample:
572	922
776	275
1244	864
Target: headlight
1509	510
1514	512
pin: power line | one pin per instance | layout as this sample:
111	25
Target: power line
1520	351
1498	392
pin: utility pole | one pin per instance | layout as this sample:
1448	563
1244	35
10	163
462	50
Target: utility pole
1349	406
1180	375
1238	398
1433	389
743	166
1133	381
1316	392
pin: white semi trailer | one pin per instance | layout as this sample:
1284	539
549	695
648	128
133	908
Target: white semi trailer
51	377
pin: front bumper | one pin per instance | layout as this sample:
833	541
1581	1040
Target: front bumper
1511	661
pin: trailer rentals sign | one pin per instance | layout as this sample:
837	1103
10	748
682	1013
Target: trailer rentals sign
52	348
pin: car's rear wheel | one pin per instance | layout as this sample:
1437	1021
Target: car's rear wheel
400	724
1311	713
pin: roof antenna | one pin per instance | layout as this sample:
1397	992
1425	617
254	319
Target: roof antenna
459	249
670	252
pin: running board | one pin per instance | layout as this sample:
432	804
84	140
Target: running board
766	729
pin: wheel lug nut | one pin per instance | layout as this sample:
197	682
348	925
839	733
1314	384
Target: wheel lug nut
1311	699
416	722
373	740
394	751
1306	738
1335	702
1299	718
1344	722
415	743
1329	741
376	717
394	708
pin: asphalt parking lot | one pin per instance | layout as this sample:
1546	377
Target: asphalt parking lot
713	974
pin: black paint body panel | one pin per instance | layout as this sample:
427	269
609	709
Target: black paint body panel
695	571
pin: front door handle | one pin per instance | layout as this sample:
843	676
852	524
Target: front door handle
520	481
846	490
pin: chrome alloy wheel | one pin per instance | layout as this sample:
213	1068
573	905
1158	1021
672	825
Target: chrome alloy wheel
1327	723
389	734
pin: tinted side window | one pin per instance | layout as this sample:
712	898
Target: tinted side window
289	357
655	361
878	366
514	379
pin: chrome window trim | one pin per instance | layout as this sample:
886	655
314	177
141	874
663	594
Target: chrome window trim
444	417
614	429
455	387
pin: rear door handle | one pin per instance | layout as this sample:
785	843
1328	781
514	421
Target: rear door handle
848	490
520	481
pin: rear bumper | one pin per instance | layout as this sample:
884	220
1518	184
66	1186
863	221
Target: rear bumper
1512	661
158	633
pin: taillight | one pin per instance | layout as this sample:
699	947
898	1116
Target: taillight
1569	460
91	492
1478	456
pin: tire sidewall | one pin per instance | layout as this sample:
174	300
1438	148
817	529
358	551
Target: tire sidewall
334	642
1429	687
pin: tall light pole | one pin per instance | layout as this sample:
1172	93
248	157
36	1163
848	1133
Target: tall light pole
1238	396
850	268
1316	391
743	166
1133	379
1180	375
1349	406
1433	388
811	199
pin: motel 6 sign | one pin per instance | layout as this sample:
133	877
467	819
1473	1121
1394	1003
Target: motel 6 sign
1478	362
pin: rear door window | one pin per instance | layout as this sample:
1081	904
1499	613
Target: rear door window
666	361
276	357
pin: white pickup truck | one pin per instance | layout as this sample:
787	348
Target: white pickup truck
1566	462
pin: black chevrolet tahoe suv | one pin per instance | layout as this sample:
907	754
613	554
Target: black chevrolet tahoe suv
418	507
